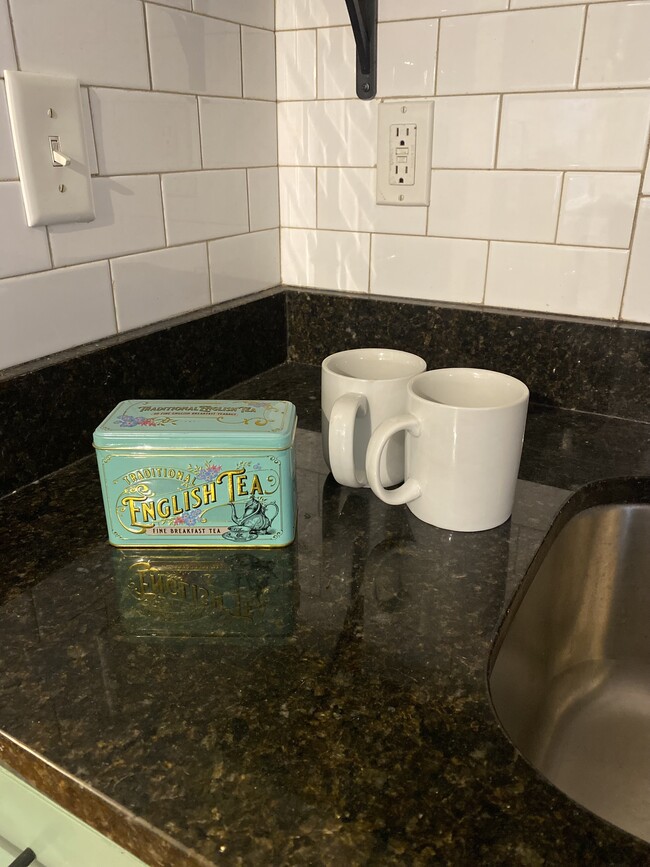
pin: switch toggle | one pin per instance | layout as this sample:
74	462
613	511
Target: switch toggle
58	159
50	144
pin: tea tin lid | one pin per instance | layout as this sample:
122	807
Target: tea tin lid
192	424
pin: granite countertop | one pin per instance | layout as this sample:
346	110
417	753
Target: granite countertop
341	716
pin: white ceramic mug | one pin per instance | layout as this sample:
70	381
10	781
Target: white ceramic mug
465	430
360	388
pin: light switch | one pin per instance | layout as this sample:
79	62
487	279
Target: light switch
50	145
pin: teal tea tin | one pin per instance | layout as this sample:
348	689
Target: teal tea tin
184	473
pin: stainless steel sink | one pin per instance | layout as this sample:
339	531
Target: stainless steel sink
570	672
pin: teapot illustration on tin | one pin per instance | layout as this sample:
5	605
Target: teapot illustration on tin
255	519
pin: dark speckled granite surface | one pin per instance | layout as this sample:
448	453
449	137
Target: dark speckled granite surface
48	411
589	365
333	707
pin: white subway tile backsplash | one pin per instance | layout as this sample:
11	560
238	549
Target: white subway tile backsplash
22	249
245	264
294	132
326	260
128	219
636	301
347	201
256	141
508	122
296	64
337	63
298	14
465	132
193	53
203	205
94	41
150	287
258	63
511	206
511	51
604	130
615	51
179	4
646	180
406	58
297	197
8	167
572	280
7	53
598	208
53	310
263	199
328	133
526	4
440	269
256	13
145	132
391	10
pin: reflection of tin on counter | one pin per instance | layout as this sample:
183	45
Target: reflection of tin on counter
206	593
181	473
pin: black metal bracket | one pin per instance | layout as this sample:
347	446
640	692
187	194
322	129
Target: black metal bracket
363	17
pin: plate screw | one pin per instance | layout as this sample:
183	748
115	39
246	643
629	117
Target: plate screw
366	87
50	112
404	109
62	188
401	198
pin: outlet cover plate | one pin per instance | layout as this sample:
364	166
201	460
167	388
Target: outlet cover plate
43	108
408	152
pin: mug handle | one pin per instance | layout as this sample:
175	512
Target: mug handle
410	490
341	439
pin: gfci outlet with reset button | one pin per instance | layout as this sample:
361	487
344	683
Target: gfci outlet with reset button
405	131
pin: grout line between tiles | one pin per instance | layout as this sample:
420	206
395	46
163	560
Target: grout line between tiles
317	82
49	249
200	128
12	29
559	209
114	256
485	276
355	168
581	47
164	212
497	133
639	200
147	44
437	64
207	259
608	88
248	197
241	62
194	11
112	279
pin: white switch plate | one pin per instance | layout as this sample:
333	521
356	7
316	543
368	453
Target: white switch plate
405	132
44	110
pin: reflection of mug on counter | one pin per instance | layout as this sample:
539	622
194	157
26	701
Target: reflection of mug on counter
224	593
360	388
465	430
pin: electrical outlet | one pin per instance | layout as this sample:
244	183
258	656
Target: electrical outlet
405	131
401	151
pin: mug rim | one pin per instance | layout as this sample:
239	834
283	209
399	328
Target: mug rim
418	361
494	374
